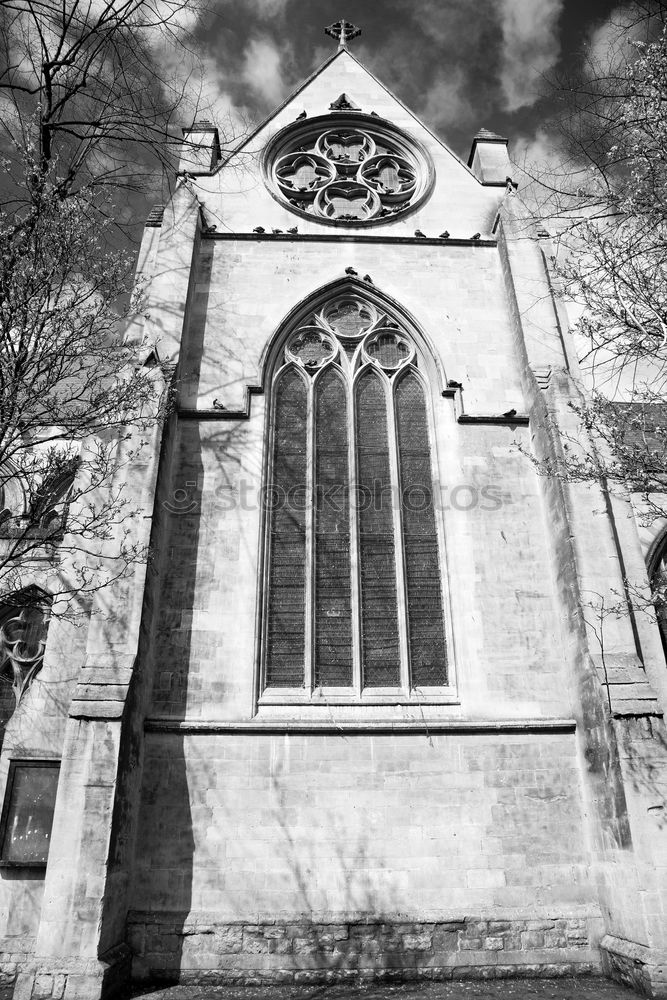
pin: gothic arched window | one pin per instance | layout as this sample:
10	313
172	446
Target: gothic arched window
24	621
657	572
354	588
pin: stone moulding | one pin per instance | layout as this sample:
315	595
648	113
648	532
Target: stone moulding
434	241
393	726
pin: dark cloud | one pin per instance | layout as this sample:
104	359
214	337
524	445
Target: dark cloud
459	65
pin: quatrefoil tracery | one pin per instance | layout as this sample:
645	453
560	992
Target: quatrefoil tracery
368	335
350	174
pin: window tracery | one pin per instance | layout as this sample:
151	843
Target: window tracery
354	602
348	169
658	580
23	626
36	506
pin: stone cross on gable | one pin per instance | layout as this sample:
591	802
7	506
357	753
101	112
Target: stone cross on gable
344	31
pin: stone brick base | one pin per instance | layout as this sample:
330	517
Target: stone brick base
636	966
194	949
73	979
10	963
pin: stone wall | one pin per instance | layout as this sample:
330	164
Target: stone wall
393	840
194	948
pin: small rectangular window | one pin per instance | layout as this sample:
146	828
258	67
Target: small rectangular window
27	814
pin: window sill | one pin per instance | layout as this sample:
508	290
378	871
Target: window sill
24	865
324	699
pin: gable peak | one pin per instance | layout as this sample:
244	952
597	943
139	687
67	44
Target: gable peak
344	103
344	31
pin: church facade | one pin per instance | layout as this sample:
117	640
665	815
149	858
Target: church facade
357	715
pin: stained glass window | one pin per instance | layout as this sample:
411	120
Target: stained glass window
287	568
354	589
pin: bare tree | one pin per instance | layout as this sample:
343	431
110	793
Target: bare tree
84	86
88	114
605	196
71	396
607	201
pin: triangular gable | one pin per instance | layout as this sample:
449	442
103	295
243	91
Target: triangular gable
343	73
242	200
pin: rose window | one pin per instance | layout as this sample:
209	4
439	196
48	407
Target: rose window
357	170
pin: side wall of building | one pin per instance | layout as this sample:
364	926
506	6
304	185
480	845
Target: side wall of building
285	842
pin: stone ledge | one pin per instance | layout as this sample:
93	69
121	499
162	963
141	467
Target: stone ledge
452	241
370	725
98	710
626	687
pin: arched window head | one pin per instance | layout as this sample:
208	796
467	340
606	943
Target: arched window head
347	169
35	504
49	497
658	579
24	621
354	594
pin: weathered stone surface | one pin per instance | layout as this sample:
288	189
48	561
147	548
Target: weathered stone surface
326	950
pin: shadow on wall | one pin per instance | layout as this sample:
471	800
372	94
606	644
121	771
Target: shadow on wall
292	888
192	538
198	947
162	817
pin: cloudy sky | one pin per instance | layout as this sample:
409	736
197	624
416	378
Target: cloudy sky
460	64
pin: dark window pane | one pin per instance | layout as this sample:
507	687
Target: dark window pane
29	813
379	615
333	624
350	318
426	634
287	536
389	350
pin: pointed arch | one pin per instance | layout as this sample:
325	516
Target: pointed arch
380	634
353	286
287	544
353	602
24	623
656	568
424	592
332	617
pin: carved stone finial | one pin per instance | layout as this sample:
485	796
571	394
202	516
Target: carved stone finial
344	31
343	103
